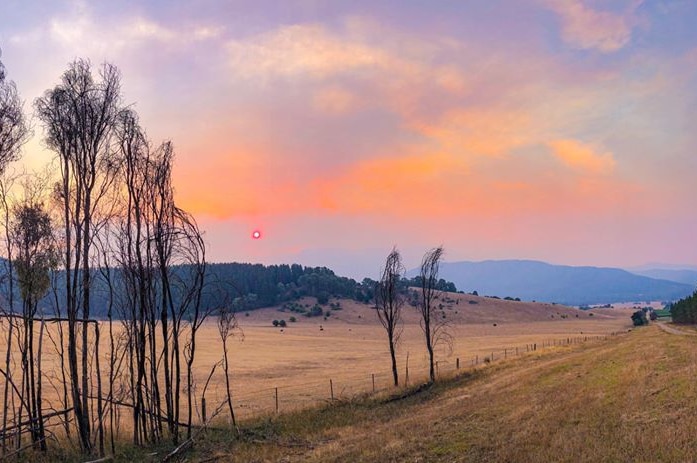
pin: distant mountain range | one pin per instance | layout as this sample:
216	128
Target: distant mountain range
686	276
543	282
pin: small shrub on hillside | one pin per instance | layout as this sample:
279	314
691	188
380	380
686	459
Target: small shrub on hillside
282	323
293	319
316	311
275	323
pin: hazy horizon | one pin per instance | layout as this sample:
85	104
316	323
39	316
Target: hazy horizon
549	130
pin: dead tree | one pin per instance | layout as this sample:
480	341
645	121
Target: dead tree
78	117
227	324
32	235
389	302
14	132
431	327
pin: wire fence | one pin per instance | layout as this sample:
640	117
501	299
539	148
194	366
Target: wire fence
346	386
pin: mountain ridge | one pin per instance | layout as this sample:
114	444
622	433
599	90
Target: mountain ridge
533	280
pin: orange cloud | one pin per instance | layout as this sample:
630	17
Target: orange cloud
582	157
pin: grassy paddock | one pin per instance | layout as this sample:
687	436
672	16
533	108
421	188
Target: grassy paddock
631	398
349	349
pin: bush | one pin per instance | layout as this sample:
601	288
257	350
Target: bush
639	318
282	323
316	311
275	323
293	319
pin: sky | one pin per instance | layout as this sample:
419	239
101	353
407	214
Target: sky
555	130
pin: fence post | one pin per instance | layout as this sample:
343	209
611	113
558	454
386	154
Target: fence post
505	353
406	379
276	397
331	389
203	408
457	363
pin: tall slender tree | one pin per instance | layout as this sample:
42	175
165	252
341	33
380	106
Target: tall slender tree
429	278
79	116
14	132
389	304
32	234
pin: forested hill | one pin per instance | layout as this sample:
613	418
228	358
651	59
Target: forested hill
252	286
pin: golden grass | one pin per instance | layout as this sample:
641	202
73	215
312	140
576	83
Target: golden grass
350	348
630	398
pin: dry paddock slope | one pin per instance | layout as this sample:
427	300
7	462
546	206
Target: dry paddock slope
297	363
630	398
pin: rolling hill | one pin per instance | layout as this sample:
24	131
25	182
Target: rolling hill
540	281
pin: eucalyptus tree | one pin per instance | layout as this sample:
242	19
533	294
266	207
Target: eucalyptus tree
79	116
432	328
389	302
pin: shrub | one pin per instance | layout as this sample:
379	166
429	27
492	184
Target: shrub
293	319
275	323
316	311
282	323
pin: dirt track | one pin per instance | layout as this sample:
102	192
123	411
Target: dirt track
669	329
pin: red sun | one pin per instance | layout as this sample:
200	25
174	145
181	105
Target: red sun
256	234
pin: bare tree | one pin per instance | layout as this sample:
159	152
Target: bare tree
14	131
33	237
227	324
79	116
389	304
431	326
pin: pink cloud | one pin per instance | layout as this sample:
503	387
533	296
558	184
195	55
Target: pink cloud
587	28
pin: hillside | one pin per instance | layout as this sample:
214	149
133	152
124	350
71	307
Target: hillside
539	281
593	402
458	309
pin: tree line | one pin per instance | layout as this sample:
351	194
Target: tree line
246	286
684	311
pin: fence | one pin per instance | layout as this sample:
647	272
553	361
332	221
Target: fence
279	398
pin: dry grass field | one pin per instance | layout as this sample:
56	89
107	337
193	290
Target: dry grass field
350	347
628	398
294	365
